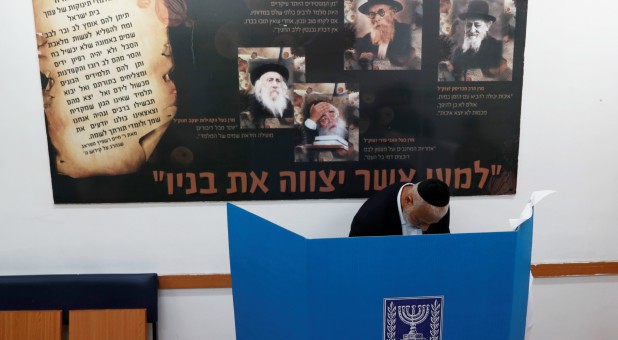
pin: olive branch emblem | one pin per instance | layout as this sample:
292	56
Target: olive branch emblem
435	321
391	322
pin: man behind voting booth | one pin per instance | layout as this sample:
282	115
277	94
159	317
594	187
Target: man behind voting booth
412	209
405	209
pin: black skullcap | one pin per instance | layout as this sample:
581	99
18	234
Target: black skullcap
434	192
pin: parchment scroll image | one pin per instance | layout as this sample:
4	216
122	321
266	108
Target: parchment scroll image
108	96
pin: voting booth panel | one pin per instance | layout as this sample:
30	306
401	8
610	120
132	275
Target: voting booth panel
452	286
272	278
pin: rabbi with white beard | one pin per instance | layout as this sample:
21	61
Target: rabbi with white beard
479	50
270	104
323	119
388	38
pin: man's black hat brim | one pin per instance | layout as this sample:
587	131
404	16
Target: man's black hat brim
486	17
270	67
478	9
364	8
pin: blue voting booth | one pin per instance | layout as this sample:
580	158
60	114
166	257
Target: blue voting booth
452	287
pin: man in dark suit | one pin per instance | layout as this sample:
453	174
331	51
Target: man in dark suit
479	50
405	209
388	39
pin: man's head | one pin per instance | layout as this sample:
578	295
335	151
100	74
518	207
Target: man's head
331	116
328	118
270	87
381	14
476	32
477	22
425	203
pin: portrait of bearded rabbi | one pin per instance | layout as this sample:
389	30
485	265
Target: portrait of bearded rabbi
479	50
269	102
388	38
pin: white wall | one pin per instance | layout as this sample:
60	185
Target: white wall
569	119
575	308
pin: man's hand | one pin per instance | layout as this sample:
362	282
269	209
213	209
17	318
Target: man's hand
319	110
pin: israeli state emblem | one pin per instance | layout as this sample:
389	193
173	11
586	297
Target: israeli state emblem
415	318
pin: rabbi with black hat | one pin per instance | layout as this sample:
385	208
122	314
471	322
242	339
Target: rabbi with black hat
479	50
405	209
270	104
388	38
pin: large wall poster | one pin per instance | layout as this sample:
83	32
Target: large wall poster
190	100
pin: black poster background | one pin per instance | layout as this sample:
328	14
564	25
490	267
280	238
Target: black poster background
206	77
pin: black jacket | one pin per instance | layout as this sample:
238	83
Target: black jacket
488	56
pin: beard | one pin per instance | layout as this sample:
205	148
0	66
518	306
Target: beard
276	101
473	42
383	32
334	127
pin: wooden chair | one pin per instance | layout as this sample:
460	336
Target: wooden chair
31	325
107	324
82	292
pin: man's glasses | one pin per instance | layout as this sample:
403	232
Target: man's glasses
372	15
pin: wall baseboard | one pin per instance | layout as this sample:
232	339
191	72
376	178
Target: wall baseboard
574	269
195	281
206	281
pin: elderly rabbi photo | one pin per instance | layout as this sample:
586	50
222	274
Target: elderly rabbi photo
479	51
269	104
388	38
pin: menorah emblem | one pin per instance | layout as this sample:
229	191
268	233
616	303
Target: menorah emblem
413	318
